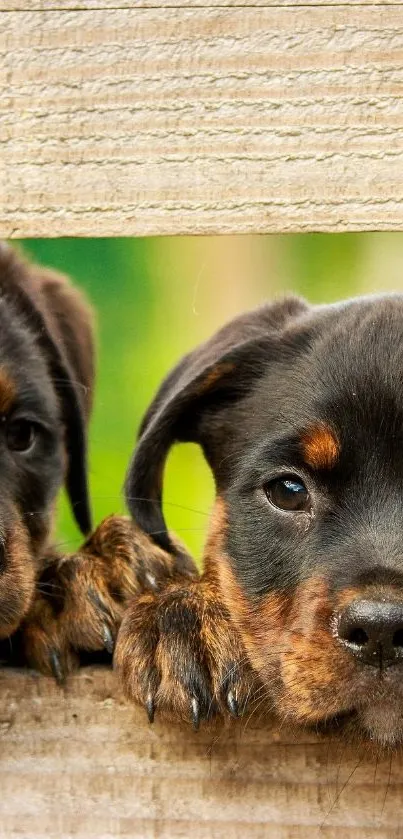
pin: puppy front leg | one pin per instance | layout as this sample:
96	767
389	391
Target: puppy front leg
80	599
179	654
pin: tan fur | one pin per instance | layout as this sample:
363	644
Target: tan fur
18	577
283	642
214	376
153	662
320	447
8	392
91	590
287	635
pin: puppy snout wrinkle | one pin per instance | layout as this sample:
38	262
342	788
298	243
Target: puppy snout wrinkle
372	630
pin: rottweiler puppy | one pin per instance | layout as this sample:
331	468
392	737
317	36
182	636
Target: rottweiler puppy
50	605
299	412
46	378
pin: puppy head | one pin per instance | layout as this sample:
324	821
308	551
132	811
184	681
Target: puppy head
46	373
299	412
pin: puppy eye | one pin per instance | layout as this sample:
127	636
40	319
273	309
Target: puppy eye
20	435
288	494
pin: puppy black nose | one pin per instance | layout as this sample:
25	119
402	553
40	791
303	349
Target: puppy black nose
372	631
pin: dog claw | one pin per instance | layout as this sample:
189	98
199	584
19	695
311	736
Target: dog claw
150	708
232	704
107	638
195	709
97	601
56	667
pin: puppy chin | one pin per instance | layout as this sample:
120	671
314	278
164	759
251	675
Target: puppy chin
383	722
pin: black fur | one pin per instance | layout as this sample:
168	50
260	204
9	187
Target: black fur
293	367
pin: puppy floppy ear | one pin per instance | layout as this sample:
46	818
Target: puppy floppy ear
70	324
62	322
218	372
69	343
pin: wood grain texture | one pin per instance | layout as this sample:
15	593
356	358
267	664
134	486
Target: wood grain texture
83	763
63	5
164	121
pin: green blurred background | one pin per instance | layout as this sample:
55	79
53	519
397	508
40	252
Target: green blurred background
156	298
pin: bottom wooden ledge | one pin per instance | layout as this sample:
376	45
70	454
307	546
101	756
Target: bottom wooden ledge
84	763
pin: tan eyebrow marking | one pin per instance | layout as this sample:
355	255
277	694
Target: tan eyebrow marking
320	447
8	391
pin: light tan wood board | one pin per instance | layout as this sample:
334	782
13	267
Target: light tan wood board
200	120
84	763
57	5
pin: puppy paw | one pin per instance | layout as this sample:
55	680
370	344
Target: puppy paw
177	653
81	599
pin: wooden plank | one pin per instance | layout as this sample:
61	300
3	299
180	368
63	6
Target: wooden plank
165	121
79	5
84	763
